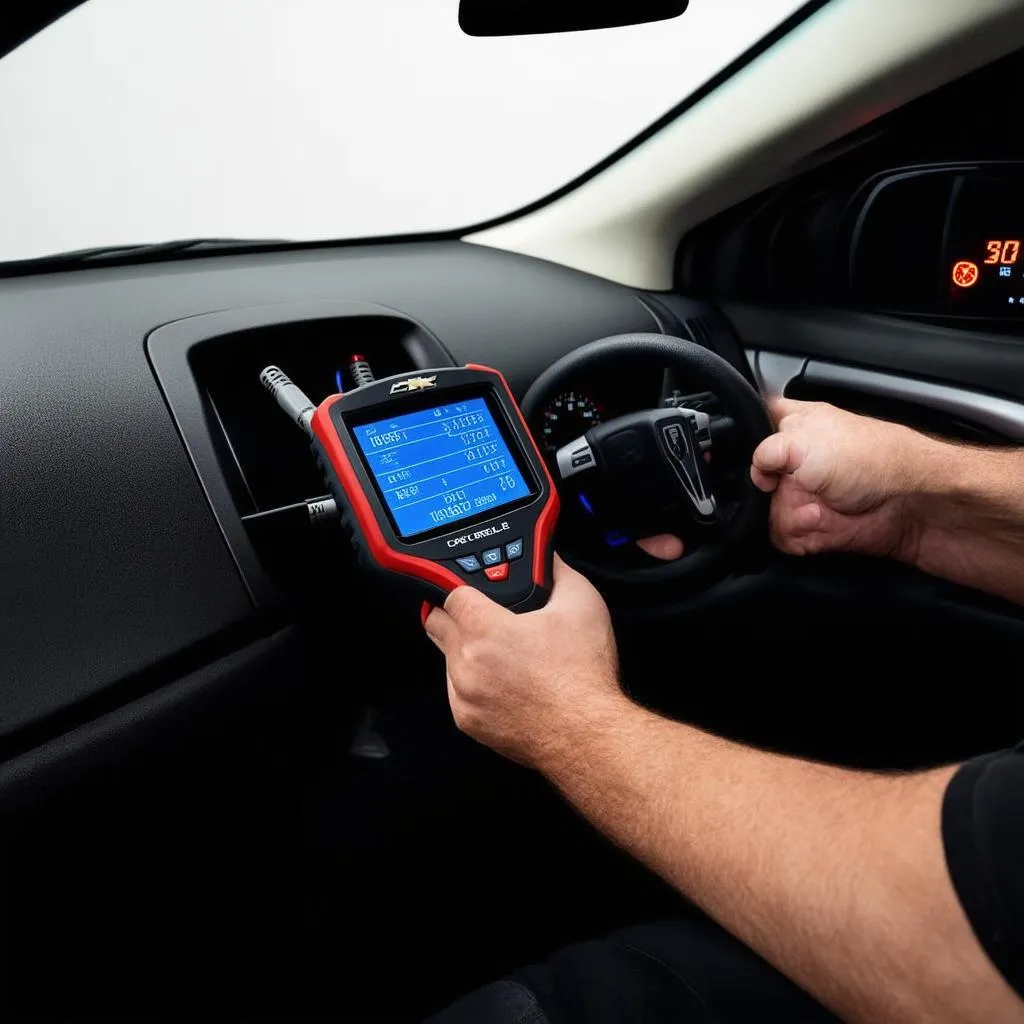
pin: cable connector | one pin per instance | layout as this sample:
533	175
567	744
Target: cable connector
361	372
289	396
321	510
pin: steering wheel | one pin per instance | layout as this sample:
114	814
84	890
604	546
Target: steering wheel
662	470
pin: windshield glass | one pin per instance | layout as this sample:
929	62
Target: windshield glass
131	121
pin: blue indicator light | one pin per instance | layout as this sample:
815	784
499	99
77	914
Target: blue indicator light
339	382
585	502
615	539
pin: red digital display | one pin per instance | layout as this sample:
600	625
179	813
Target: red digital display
986	274
984	228
1003	253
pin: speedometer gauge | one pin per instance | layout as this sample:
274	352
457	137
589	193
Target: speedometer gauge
566	417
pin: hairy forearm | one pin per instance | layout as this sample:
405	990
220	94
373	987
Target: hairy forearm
836	877
967	516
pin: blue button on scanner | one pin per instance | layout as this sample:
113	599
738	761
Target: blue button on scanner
514	549
470	563
492	556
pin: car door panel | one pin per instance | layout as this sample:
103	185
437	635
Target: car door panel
963	413
979	361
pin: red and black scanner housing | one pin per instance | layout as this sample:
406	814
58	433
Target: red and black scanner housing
428	563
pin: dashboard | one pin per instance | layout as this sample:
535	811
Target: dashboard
174	522
942	240
165	528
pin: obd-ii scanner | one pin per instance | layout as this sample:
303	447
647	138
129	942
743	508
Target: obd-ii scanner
437	480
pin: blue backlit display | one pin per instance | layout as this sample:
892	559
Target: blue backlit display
441	465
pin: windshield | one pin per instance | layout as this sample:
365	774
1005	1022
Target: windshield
131	121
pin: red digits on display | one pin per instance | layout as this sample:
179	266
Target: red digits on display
1006	252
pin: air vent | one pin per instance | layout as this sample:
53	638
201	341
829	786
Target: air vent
269	465
255	465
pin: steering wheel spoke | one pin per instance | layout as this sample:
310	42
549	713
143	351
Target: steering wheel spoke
643	463
684	453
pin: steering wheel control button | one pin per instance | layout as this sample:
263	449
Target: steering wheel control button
469	563
701	427
496	573
675	440
514	549
575	457
492	556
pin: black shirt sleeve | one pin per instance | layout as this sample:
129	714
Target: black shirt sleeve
983	832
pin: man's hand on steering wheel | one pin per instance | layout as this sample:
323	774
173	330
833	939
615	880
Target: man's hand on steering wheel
840	482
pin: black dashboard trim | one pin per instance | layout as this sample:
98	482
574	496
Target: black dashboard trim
140	685
42	762
683	313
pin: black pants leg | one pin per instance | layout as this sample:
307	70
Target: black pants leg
684	972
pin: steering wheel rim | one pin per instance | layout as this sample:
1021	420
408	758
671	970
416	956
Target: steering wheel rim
748	525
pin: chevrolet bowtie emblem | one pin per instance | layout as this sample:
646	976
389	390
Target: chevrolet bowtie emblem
413	384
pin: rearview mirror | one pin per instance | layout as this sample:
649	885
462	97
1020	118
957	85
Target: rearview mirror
531	17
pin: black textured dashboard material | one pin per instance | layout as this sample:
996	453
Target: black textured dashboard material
111	562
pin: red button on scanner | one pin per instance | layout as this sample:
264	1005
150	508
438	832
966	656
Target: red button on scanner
497	573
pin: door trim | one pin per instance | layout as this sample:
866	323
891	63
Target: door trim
776	371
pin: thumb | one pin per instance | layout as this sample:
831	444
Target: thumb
469	604
780	453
